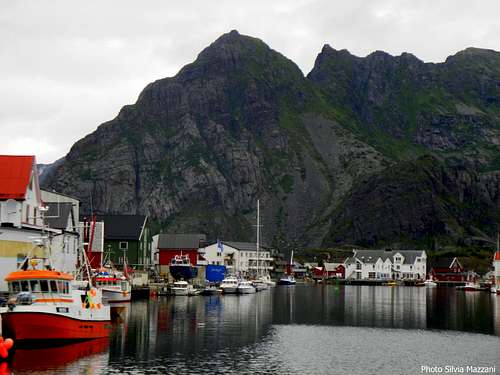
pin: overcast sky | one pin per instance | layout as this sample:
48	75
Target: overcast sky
68	66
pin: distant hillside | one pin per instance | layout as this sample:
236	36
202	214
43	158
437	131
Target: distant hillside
322	152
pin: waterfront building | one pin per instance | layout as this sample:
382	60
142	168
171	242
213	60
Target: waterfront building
127	236
238	257
167	246
447	269
386	264
21	219
93	243
329	271
299	270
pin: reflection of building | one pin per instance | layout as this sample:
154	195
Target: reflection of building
447	269
21	219
238	256
386	264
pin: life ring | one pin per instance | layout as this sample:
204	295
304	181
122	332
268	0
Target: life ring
93	292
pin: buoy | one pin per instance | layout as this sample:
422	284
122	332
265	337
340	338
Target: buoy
5	346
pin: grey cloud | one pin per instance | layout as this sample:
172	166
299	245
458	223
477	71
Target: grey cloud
67	67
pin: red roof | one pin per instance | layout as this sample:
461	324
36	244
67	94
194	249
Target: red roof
15	173
497	255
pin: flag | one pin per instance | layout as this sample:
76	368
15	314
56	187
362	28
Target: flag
219	246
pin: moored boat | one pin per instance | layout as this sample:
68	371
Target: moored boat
211	290
44	305
181	288
259	285
115	287
287	280
245	287
181	268
229	285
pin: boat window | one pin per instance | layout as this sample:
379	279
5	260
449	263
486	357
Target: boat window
44	285
25	286
53	286
66	287
35	286
62	287
124	286
15	287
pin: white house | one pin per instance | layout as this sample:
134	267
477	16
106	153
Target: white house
386	264
21	219
238	257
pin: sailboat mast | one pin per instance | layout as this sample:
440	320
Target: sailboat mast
258	237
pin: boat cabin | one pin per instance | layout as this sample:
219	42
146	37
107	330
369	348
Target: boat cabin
39	282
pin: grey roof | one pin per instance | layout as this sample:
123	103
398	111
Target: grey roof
244	246
371	256
58	214
122	227
180	241
442	262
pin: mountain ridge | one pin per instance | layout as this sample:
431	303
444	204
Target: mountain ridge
243	122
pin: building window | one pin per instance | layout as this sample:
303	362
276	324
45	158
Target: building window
358	265
371	275
123	245
397	259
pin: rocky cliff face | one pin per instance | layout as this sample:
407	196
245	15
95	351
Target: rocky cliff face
242	122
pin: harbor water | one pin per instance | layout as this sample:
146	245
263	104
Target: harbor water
303	329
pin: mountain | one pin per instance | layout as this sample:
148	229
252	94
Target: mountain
242	122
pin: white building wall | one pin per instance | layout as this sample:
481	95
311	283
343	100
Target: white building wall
243	261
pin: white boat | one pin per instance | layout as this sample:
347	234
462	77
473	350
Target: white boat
181	288
267	279
115	287
259	285
246	287
494	290
229	285
430	284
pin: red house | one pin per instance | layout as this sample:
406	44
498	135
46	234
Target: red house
448	269
170	245
329	271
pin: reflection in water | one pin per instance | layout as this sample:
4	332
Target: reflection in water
459	310
374	306
302	329
92	355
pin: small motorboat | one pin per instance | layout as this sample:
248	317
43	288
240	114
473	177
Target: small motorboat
211	290
259	285
246	287
267	279
287	280
181	288
494	290
430	283
392	283
229	285
419	283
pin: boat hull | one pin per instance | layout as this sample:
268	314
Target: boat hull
183	272
115	296
286	282
230	290
179	292
47	326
